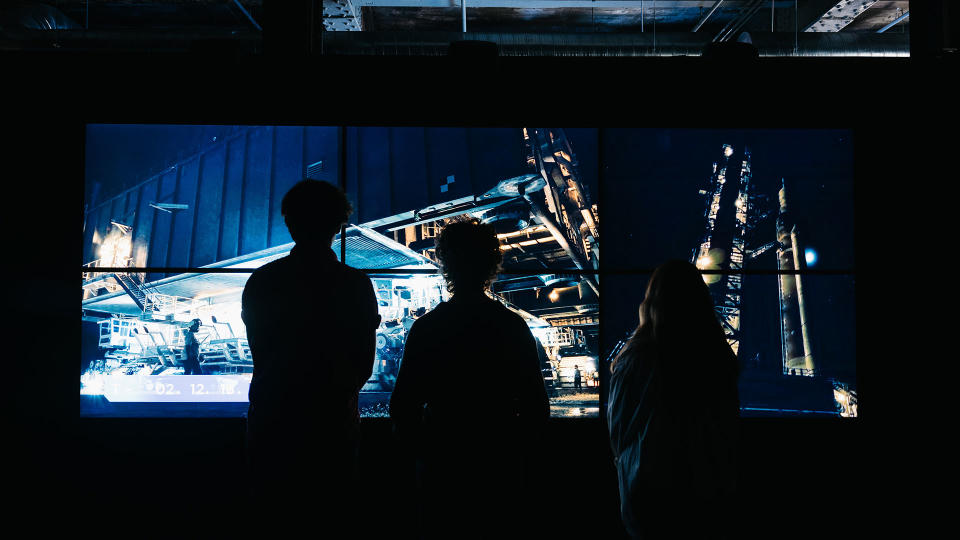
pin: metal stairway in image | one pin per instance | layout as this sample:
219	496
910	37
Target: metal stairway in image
135	289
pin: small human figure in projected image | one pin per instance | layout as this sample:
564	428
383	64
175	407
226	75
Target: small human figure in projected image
673	412
577	377
191	349
471	436
311	322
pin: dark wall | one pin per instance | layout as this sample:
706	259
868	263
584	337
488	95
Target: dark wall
54	480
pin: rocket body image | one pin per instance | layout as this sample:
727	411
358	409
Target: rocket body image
795	338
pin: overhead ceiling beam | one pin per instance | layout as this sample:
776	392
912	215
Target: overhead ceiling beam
533	4
836	16
342	16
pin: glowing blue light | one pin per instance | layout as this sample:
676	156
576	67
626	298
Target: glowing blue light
811	256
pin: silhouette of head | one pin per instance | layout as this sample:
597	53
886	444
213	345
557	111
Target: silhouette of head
676	299
195	325
469	254
677	311
314	211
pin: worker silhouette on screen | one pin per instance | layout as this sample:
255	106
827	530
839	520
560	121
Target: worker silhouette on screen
311	322
470	434
191	349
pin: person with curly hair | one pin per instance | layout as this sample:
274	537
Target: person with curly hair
470	435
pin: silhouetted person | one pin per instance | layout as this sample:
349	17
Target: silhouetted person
311	322
470	435
577	379
191	349
673	413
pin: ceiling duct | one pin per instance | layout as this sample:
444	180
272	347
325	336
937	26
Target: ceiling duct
667	44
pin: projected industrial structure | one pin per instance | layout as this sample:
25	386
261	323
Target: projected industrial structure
734	211
181	244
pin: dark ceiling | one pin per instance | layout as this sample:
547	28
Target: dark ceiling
241	19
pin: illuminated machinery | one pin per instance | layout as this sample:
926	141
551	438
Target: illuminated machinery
132	346
725	248
564	209
542	212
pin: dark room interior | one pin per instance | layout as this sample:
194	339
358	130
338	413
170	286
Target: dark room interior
627	80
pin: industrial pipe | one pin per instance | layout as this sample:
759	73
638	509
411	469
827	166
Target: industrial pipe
707	16
247	15
894	23
546	219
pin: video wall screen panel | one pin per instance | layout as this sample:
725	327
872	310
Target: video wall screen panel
208	198
768	216
173	228
667	191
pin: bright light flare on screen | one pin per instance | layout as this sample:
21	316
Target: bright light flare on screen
811	256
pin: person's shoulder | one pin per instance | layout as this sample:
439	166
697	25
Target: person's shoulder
512	317
266	274
640	353
435	315
272	268
357	275
352	275
439	316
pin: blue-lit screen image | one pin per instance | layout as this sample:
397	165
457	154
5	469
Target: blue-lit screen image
675	189
770	214
136	366
176	217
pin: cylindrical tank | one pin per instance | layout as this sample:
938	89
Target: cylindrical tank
795	342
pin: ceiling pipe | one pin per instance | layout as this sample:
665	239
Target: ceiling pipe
667	44
894	23
703	19
739	22
724	30
247	15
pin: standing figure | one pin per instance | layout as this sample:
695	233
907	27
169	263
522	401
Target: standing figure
311	322
577	380
673	412
471	436
191	349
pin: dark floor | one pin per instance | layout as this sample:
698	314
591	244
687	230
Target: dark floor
134	474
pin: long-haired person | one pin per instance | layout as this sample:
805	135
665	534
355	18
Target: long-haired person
469	396
673	413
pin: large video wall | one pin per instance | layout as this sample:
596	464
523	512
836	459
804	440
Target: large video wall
178	217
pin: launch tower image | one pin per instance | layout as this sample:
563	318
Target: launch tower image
732	214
